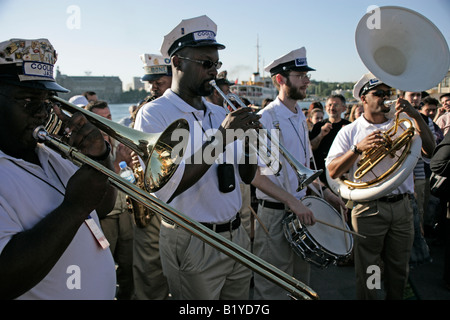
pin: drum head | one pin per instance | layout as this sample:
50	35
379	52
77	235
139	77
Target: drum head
331	239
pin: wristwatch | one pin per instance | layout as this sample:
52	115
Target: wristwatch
355	149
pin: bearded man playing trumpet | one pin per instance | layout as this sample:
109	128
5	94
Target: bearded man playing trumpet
386	221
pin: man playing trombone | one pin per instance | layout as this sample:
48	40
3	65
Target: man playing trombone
51	246
277	193
206	190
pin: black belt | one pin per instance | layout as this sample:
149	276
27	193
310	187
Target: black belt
223	227
271	205
393	198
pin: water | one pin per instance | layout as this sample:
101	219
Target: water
120	110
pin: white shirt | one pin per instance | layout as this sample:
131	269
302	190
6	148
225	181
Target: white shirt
294	137
203	201
25	200
444	122
353	134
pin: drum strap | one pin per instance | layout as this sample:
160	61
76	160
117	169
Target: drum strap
284	183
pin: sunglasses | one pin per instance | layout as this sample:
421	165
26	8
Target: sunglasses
301	76
381	93
207	64
33	106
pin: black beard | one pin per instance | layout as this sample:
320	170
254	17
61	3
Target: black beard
205	89
295	94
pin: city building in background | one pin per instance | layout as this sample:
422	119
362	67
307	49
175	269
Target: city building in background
107	88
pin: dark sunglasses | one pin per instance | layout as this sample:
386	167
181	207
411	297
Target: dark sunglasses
381	93
33	106
207	64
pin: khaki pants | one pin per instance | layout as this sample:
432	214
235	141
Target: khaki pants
389	232
149	281
275	249
197	271
118	229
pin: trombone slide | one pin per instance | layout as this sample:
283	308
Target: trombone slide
305	175
296	289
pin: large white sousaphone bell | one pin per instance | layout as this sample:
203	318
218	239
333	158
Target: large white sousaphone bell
403	49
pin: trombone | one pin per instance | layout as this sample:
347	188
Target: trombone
155	150
296	289
304	175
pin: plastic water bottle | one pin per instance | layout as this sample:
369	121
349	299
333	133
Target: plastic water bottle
126	172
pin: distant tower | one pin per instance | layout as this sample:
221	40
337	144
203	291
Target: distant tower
257	54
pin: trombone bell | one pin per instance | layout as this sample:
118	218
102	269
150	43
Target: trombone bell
155	150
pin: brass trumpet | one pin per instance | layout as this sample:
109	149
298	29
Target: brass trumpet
305	175
296	289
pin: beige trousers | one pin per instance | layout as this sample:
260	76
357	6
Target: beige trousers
389	231
275	249
197	271
149	281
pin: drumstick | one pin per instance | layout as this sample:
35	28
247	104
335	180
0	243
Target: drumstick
343	225
336	227
259	220
343	222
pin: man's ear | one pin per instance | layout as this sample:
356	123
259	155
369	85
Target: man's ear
176	62
280	79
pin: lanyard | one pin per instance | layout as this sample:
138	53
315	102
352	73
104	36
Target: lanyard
96	231
210	123
299	138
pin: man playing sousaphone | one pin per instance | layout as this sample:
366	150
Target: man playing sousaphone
387	221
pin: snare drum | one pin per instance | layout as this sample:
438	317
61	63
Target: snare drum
319	244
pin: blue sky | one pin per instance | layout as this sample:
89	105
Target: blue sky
113	34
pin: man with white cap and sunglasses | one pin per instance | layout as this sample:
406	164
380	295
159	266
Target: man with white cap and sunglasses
277	193
387	222
51	246
194	269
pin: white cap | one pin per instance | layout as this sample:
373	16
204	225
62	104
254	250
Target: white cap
29	63
367	82
294	60
196	32
155	66
79	101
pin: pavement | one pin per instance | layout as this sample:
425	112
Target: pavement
338	282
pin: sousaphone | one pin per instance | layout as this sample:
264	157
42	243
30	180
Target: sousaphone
406	51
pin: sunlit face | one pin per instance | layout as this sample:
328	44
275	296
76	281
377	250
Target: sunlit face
317	117
160	85
445	102
104	112
195	76
429	110
334	107
297	83
414	98
375	98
